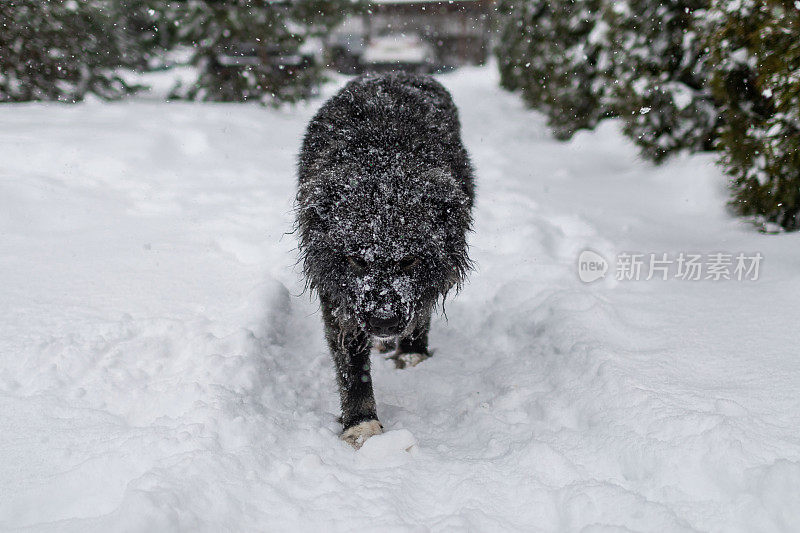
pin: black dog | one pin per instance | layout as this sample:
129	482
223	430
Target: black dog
383	208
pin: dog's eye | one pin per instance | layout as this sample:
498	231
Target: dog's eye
358	264
408	263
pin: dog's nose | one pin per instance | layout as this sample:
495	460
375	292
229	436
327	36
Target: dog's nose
384	325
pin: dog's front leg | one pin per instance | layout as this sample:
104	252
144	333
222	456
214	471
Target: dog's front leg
350	350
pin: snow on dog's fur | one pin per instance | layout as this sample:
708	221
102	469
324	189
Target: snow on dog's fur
383	208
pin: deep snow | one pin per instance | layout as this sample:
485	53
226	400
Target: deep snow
160	369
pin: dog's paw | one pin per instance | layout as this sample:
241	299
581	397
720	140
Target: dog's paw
385	346
405	360
356	435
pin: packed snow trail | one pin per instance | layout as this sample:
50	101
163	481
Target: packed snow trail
162	370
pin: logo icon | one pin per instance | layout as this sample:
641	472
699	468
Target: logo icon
591	266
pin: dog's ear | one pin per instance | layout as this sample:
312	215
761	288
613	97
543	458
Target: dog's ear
442	187
315	199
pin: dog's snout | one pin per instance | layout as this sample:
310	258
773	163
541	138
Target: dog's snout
384	325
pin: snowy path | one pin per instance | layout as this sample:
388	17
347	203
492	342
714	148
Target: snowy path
160	371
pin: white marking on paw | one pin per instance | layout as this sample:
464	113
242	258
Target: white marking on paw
356	436
405	360
383	345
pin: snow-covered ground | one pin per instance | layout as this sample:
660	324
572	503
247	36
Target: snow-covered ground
160	369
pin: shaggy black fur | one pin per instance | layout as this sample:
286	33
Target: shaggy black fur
383	208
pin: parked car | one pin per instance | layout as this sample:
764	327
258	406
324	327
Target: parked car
345	50
265	65
240	55
398	51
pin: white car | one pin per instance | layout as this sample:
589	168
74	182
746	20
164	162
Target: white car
399	51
